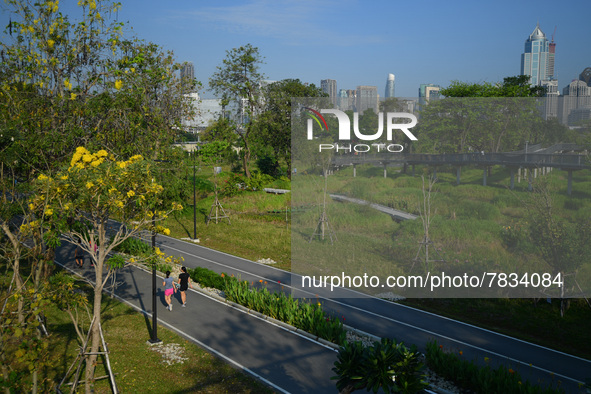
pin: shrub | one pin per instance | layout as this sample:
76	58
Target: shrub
207	278
387	365
134	246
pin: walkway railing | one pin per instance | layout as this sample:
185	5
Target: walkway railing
532	160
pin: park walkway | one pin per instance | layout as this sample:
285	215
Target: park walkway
292	363
286	361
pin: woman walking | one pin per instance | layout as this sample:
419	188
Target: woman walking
169	290
184	283
79	255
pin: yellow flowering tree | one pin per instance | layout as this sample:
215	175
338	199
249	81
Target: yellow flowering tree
79	203
78	78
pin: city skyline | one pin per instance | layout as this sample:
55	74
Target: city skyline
360	43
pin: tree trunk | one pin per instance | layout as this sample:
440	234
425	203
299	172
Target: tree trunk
95	335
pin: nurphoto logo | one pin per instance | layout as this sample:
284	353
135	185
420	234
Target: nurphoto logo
345	130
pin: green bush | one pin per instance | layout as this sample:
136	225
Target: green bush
207	278
134	247
387	365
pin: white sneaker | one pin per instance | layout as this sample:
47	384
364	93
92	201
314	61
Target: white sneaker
170	307
184	305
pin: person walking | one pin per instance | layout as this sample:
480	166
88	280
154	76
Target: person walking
79	254
184	283
169	290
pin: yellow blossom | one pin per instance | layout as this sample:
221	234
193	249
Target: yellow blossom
118	84
73	96
87	158
50	43
119	204
102	153
42	177
112	190
63	177
89	185
31	206
130	193
166	231
67	84
48	212
121	164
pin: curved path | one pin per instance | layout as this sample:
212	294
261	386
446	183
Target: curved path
292	363
383	318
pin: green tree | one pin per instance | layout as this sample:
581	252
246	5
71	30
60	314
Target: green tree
273	126
238	80
482	117
517	86
563	244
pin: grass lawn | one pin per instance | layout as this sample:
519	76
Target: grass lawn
258	226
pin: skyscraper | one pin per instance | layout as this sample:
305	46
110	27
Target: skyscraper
329	86
537	61
367	97
576	102
188	75
390	86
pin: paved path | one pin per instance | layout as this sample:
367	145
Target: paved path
395	213
295	364
288	362
412	326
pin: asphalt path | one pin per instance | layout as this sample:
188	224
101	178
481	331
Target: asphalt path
412	326
288	362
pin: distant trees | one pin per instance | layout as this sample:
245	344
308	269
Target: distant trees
485	117
517	86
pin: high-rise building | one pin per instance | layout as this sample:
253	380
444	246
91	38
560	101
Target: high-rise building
427	92
537	61
585	76
389	86
367	97
576	102
329	86
551	98
187	75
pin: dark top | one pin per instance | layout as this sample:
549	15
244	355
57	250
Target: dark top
184	278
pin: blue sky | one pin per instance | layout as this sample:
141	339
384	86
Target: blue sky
359	42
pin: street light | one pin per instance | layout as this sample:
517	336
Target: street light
194	194
154	338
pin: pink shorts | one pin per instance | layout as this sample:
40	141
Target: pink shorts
168	292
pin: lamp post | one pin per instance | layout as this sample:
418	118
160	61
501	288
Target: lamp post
526	143
194	196
154	338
